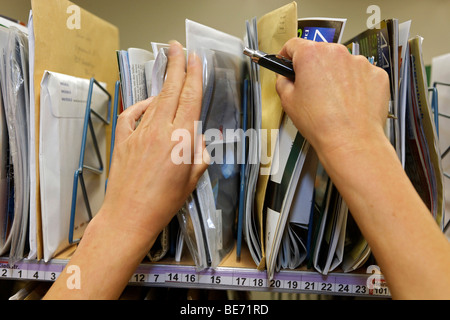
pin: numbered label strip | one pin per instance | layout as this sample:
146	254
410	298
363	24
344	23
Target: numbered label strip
32	271
298	281
247	279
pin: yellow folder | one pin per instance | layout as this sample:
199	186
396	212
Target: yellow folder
72	41
274	30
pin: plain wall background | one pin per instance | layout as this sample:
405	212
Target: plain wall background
143	21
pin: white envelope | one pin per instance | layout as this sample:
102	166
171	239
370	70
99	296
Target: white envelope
63	106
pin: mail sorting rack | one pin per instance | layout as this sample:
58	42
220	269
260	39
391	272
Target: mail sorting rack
225	278
370	284
358	283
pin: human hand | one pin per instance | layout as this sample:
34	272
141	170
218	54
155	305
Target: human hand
338	101
145	187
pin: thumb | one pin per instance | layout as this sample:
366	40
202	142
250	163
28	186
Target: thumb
126	123
285	89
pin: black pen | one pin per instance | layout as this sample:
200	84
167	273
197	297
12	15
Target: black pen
273	62
278	64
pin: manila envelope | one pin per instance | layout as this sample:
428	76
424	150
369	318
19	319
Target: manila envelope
72	41
274	30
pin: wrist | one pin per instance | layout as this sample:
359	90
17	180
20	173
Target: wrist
357	164
111	225
344	149
356	168
141	214
106	258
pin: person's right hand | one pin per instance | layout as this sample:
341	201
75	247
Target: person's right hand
338	101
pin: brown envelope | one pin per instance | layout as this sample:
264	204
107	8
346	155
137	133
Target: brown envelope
79	45
274	29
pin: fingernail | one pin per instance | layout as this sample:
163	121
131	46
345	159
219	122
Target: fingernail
193	59
175	48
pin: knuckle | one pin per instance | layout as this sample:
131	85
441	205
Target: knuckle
382	74
361	62
307	51
190	98
169	90
339	50
360	59
382	77
312	47
295	43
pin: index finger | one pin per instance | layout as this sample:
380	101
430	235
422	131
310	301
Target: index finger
190	102
170	93
294	46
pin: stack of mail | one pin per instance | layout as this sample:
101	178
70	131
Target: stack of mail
15	183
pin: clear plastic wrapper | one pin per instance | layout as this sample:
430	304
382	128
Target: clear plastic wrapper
159	71
189	220
223	69
211	220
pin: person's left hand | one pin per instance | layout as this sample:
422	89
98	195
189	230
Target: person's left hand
145	187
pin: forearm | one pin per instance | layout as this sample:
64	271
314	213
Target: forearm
106	258
399	228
